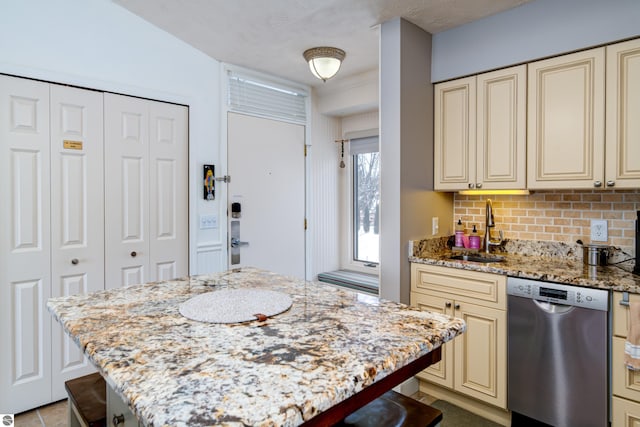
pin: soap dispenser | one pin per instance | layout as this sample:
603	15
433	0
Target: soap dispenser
459	239
474	239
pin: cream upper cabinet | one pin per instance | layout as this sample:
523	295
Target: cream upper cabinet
455	134
623	113
501	129
565	136
475	363
480	136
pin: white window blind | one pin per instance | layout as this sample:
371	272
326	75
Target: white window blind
263	98
368	144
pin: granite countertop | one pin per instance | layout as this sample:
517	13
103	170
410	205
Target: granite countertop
170	370
546	261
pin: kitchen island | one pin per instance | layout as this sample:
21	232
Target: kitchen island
333	351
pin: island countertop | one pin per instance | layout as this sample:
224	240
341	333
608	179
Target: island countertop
170	370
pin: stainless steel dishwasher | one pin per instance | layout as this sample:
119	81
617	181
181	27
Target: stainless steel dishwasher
557	354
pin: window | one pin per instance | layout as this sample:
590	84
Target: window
365	201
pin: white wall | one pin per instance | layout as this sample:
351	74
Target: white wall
534	30
327	226
97	44
351	95
325	191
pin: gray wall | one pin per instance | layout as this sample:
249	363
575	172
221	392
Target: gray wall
406	146
534	30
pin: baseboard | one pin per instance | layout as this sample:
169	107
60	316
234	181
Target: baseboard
484	410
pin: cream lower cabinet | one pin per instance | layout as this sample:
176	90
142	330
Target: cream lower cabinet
480	131
625	409
475	363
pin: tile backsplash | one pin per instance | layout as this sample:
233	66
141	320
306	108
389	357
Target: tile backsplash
561	216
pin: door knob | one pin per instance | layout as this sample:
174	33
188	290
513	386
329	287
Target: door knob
75	261
235	242
479	185
597	184
134	254
457	307
447	304
611	183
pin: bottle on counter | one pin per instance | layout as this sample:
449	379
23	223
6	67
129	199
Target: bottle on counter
459	236
474	238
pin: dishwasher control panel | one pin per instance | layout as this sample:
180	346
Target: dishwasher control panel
595	299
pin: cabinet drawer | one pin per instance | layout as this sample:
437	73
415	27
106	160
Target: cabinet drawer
621	314
463	285
624	412
625	383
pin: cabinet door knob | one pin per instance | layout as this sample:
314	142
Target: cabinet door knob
597	184
457	307
134	254
471	185
611	183
479	185
75	261
447	304
117	419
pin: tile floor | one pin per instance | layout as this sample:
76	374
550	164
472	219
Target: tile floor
54	415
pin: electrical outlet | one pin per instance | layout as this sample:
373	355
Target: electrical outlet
435	226
599	230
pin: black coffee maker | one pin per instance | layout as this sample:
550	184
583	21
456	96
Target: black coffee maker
636	269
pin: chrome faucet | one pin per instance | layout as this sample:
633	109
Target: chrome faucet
489	224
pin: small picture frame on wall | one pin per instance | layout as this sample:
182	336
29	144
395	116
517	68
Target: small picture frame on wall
208	173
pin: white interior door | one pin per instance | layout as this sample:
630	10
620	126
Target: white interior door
267	168
77	215
25	250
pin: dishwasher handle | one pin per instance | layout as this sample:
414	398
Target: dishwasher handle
553	308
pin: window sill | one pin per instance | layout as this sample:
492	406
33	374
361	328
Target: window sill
352	279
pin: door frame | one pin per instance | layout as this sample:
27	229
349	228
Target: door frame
223	170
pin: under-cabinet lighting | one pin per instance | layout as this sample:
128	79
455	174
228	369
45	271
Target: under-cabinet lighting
496	192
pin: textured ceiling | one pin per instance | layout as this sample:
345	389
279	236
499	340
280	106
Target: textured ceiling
270	35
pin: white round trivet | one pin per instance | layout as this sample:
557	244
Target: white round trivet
235	305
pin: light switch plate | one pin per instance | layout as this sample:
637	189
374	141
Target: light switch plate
599	232
435	227
208	221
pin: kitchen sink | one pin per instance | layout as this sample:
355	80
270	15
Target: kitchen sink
478	258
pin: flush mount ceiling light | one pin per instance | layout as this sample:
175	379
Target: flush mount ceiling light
324	62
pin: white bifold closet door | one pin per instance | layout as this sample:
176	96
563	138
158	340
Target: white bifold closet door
25	250
145	191
52	240
77	165
77	215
